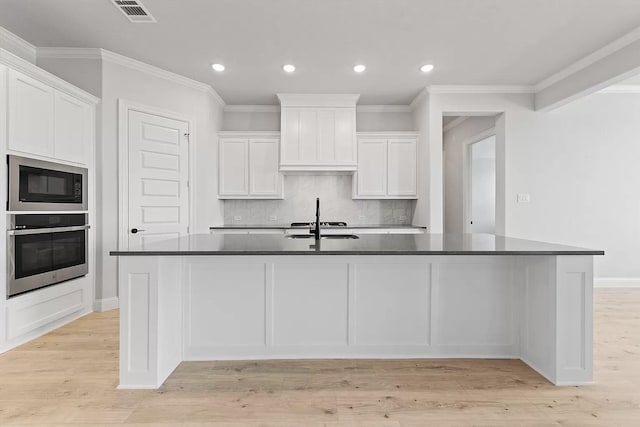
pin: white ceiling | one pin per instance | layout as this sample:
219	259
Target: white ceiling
471	42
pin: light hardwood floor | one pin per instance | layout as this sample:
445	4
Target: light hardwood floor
69	377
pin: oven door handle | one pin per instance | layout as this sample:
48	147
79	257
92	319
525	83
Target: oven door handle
47	230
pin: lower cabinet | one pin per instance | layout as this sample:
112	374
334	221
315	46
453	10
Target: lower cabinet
248	166
387	166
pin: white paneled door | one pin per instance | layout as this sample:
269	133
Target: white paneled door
158	178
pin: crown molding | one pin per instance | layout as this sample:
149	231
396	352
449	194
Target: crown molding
125	61
383	108
620	43
251	108
17	45
481	89
621	89
18	63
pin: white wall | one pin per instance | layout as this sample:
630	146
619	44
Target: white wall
248	121
120	82
454	148
365	121
579	163
384	121
84	73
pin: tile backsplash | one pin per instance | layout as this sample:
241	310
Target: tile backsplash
300	192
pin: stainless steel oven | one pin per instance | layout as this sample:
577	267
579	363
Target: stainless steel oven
43	249
36	185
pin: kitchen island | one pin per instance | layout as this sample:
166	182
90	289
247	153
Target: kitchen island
212	297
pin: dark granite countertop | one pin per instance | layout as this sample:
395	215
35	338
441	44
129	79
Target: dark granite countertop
288	226
371	244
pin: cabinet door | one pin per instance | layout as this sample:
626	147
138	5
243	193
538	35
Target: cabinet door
402	167
345	139
234	167
30	115
70	122
264	176
372	167
290	136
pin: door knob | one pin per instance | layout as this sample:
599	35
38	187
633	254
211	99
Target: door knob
135	230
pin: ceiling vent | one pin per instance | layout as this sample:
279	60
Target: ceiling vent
134	11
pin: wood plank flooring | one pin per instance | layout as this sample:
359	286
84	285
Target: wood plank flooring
69	377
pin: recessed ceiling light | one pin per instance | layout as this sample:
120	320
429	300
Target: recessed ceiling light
289	68
426	68
218	67
359	68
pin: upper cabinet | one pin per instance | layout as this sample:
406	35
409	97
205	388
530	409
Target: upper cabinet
318	132
48	122
248	166
30	115
387	166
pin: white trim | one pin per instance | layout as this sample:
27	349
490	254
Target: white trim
17	45
106	304
388	134
453	123
251	108
383	108
620	43
124	106
616	282
621	89
17	63
481	89
125	61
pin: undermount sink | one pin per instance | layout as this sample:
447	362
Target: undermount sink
328	236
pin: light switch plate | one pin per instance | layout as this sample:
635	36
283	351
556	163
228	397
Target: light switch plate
273	218
524	198
237	218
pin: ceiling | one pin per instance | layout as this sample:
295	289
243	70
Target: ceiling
471	42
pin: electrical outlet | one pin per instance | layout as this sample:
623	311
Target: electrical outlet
362	217
273	218
524	198
237	217
402	217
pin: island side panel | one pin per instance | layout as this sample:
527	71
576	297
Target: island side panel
244	307
557	317
150	320
574	296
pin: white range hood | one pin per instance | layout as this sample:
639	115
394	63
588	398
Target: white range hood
318	132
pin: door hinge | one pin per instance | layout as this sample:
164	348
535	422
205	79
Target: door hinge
187	184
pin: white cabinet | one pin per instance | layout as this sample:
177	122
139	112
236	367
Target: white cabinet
30	115
71	127
248	166
47	122
387	166
318	132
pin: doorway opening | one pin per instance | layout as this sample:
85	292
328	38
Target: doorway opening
470	173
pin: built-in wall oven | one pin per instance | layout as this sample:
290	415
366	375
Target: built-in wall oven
37	185
44	249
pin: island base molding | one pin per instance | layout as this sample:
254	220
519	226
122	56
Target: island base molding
184	308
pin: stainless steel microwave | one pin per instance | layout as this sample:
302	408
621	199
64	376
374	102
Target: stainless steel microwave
37	185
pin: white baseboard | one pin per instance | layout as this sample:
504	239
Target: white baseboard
616	282
105	304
